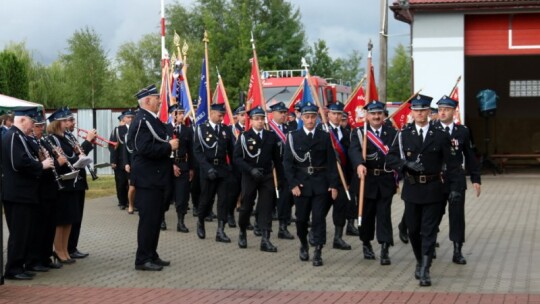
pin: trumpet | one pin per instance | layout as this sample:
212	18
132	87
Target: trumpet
99	140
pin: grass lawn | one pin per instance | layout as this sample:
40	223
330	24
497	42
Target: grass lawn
103	186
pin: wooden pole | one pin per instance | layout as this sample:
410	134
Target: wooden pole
208	97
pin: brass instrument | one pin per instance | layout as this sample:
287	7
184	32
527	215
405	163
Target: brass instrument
99	140
58	151
44	153
78	149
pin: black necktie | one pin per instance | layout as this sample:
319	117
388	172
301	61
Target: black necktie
421	134
447	129
310	135
260	134
216	129
377	133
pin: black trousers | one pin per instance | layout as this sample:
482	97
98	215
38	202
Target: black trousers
285	202
456	218
316	206
43	236
340	208
234	191
265	203
377	213
121	180
195	188
151	204
20	219
181	193
422	221
73	241
209	189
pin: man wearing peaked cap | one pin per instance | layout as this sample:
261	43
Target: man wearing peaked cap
380	185
255	152
213	144
20	179
310	169
419	152
151	174
118	159
456	184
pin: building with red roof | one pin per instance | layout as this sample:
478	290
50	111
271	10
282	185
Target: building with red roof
492	44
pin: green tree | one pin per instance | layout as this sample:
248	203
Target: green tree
349	70
13	76
87	70
321	64
399	75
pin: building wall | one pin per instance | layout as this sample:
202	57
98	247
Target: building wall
438	54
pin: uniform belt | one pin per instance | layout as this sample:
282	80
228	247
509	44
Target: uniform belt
217	161
424	179
312	170
377	172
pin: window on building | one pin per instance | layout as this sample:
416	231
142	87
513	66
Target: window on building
524	88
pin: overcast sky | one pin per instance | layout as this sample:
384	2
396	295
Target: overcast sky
46	25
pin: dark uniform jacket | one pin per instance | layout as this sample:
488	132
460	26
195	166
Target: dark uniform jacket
379	178
322	156
345	142
68	144
48	187
183	157
281	148
433	153
250	143
118	156
212	149
293	125
151	167
461	150
21	168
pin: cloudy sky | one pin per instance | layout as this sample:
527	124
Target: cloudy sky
45	26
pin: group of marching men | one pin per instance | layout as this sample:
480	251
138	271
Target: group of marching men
302	163
43	191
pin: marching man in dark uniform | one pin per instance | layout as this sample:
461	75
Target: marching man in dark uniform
420	151
118	163
20	180
183	164
256	151
151	174
342	207
380	184
461	151
285	201
213	144
310	168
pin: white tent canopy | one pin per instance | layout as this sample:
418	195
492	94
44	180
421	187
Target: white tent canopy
9	103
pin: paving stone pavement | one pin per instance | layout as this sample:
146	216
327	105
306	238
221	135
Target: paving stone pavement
502	252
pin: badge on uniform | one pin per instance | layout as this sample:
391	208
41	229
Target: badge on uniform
409	154
224	133
250	148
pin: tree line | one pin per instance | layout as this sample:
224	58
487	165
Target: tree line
86	77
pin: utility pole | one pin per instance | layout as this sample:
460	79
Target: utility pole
383	59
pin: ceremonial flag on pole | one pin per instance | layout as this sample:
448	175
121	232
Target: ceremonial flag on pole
307	97
179	89
165	94
296	98
219	98
401	116
373	89
254	98
202	110
455	96
355	107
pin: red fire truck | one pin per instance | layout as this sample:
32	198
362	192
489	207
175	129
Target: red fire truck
280	85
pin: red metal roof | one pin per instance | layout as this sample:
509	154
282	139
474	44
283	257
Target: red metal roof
405	9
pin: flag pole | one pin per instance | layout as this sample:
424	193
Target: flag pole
350	98
295	95
364	139
225	98
208	97
404	104
325	122
452	93
185	48
263	105
455	86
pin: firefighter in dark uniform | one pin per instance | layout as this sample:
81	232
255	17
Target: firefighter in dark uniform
341	206
255	153
118	163
20	180
285	201
236	179
420	151
462	153
213	147
183	164
291	123
380	184
310	168
151	174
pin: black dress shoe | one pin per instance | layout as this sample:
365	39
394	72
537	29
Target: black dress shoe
19	276
161	262
201	232
403	236
122	207
351	229
55	265
29	273
231	222
149	266
458	256
59	260
385	257
317	258
39	268
368	251
78	255
304	253
242	239
249	227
